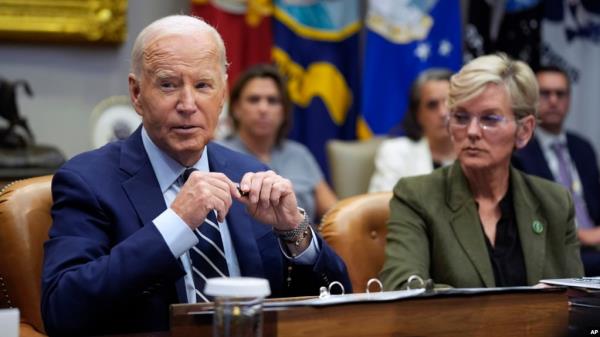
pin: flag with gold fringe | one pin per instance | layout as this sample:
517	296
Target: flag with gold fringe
317	48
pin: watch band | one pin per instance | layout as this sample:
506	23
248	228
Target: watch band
293	235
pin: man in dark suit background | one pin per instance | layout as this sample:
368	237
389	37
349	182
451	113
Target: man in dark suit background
567	158
130	235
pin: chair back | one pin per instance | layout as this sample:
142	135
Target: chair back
351	165
356	230
24	223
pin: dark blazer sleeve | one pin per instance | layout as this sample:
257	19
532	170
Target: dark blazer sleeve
85	275
302	280
407	246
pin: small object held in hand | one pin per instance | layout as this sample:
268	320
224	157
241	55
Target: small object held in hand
188	171
186	174
244	194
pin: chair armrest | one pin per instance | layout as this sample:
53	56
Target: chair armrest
26	330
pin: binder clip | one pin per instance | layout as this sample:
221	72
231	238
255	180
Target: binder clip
326	292
416	282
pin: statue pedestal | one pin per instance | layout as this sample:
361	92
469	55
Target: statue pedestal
32	161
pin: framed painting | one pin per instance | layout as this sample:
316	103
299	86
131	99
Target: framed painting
94	21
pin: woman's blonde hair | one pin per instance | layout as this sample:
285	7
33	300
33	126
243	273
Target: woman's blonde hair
516	76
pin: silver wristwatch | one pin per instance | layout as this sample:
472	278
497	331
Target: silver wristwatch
292	235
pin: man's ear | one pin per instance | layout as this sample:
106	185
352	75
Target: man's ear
134	93
525	131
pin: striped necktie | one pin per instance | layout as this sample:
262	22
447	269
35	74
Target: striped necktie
208	256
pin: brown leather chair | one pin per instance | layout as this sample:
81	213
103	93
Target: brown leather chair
356	229
24	223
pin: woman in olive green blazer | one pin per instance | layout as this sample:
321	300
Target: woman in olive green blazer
480	222
434	233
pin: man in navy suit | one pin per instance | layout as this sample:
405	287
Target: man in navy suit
126	226
567	158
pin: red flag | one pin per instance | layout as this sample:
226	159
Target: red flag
245	28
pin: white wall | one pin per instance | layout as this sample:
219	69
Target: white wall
69	80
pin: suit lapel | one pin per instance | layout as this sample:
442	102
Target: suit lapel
468	232
146	198
240	225
533	244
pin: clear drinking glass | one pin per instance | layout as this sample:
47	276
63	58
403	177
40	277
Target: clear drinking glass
238	305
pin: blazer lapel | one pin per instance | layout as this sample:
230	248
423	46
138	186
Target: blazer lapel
532	227
466	225
142	188
240	225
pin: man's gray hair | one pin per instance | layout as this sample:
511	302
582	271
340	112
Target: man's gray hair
170	25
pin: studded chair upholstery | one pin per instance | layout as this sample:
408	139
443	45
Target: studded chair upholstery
356	229
24	223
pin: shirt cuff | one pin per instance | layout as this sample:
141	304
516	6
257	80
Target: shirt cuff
178	236
309	255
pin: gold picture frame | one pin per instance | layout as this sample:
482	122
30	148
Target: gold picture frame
63	20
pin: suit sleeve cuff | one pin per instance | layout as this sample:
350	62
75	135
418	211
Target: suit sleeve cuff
178	236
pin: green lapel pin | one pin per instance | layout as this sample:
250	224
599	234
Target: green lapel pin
537	227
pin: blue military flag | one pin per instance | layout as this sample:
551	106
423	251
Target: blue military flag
404	37
317	48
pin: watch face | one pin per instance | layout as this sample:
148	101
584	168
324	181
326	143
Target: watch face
113	119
